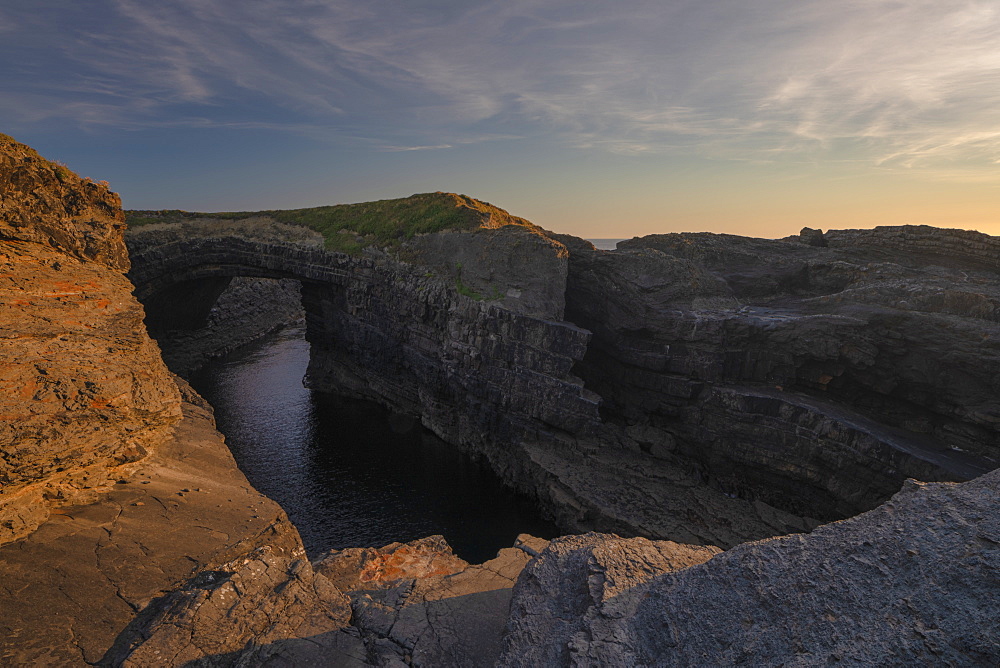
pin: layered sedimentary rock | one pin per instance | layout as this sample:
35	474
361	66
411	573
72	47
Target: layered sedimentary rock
75	583
493	376
745	385
83	392
726	379
913	582
483	376
814	373
47	204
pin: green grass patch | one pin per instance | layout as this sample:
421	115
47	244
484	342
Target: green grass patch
464	289
348	228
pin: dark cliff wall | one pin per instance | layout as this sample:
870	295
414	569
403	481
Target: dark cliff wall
812	378
483	376
246	310
726	378
479	376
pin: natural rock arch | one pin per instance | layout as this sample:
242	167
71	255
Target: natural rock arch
499	378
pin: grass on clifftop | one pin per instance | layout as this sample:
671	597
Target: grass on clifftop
348	228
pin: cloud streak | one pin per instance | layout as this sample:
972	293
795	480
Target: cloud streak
901	85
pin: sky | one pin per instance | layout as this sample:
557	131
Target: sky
600	119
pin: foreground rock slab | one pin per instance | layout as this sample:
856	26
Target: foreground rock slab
914	582
417	604
68	589
403	604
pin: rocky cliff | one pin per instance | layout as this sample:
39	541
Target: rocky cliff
194	322
753	387
814	376
114	484
83	392
493	375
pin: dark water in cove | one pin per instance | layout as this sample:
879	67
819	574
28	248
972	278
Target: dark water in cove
347	472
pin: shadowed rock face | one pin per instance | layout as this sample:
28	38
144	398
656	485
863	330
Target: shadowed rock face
246	310
913	582
774	371
814	377
83	392
424	339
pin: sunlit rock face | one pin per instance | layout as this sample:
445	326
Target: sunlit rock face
46	203
83	392
410	603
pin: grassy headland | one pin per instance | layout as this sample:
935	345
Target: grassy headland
348	228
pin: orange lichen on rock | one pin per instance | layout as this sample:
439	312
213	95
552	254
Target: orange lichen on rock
423	558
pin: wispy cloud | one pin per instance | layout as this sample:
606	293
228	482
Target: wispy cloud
902	85
416	148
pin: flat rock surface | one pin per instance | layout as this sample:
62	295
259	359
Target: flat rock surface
914	582
68	589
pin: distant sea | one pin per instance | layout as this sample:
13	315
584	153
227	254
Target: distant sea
605	244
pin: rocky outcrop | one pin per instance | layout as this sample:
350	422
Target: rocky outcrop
265	605
69	588
109	495
734	387
416	604
726	374
913	582
484	377
514	267
45	203
570	597
814	377
83	392
403	604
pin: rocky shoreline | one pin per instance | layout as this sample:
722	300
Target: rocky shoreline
709	392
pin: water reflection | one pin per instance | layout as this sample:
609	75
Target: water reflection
348	473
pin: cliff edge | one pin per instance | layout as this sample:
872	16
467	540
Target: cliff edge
83	392
114	484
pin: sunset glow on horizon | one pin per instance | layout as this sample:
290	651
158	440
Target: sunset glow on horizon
594	119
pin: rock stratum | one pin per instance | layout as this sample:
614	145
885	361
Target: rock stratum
708	392
83	392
